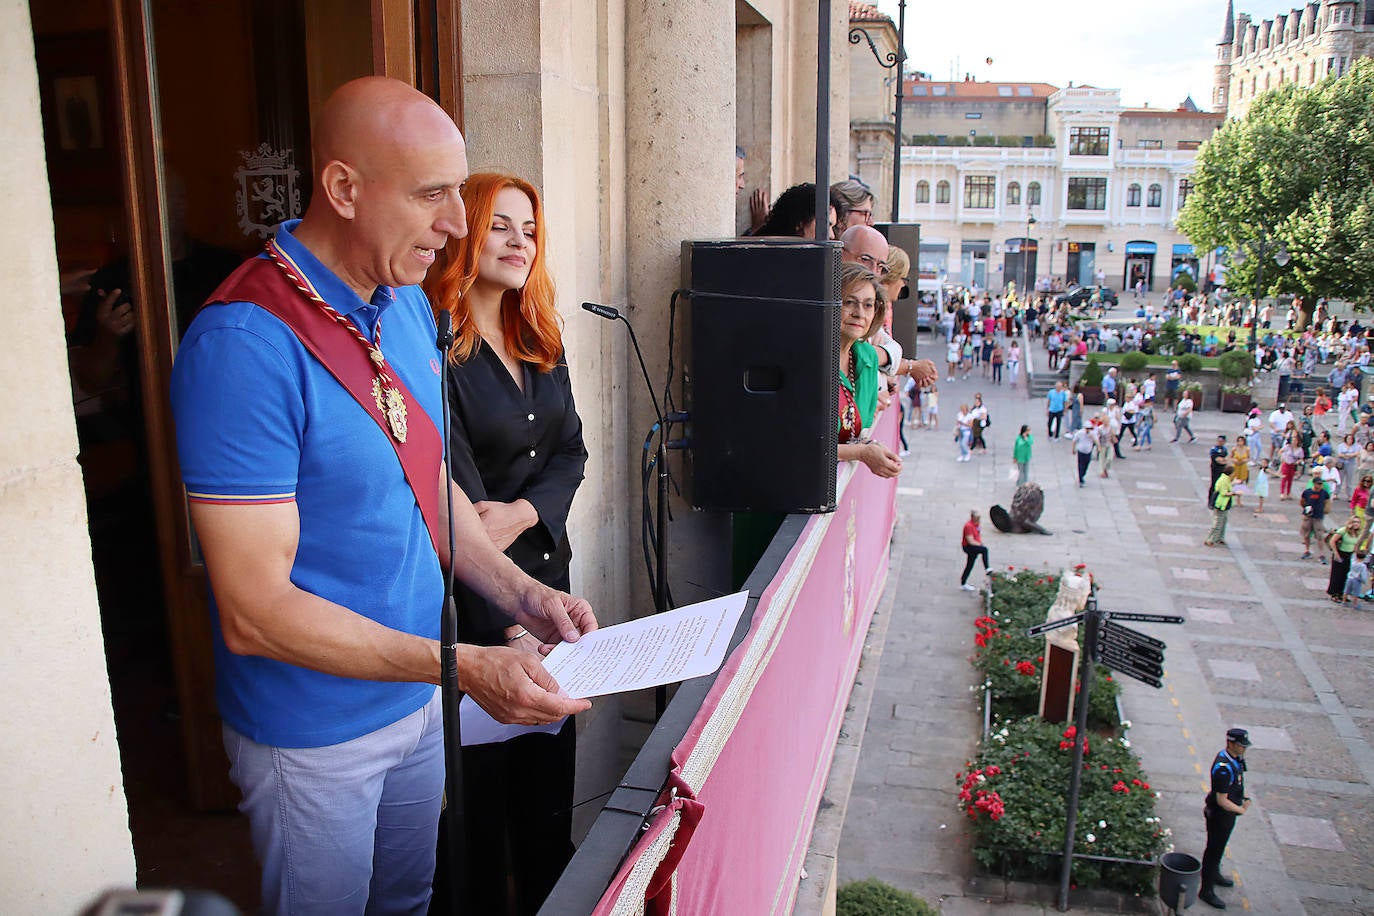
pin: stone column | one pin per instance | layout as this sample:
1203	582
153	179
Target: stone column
680	180
63	807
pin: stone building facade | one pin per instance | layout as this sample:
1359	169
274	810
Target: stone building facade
1095	200
1302	46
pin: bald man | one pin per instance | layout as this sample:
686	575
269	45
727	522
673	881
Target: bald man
867	247
313	465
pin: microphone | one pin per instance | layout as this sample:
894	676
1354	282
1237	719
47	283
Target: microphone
605	311
444	341
612	313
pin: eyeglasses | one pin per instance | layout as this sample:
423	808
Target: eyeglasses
873	264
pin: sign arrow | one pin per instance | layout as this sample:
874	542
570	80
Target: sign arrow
1132	635
1144	618
1131	650
1054	625
1123	662
1143	678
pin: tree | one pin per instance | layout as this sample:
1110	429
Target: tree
1298	169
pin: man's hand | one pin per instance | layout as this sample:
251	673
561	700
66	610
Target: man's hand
512	686
115	318
923	372
880	460
884	398
506	521
758	209
553	616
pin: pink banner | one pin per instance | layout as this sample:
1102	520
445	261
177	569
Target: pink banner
757	756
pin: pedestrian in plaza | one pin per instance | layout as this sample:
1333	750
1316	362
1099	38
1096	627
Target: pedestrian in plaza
931	402
972	544
963	433
1054	410
1313	502
1357	579
1084	442
1261	485
1225	802
1217	458
1105	440
1221	506
981	422
1013	362
1183	419
1021	454
1342	543
1359	498
952	359
1173	381
1240	460
1289	456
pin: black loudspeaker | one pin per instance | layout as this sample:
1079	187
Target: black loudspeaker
761	379
906	236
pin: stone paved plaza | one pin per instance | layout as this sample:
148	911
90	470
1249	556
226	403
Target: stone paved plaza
1262	648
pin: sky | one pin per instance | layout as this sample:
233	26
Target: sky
1156	52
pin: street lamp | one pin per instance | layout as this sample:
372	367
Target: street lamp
1261	248
1025	256
889	61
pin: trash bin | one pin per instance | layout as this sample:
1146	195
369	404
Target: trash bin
1180	876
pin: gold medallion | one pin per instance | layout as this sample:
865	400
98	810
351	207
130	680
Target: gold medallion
393	407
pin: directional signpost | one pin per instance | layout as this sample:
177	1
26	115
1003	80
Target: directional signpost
1123	650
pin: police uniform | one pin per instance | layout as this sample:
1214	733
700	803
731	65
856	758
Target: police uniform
1228	778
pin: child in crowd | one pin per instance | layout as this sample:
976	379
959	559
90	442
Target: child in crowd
931	397
1357	580
1261	485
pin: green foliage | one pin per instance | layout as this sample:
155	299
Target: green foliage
1092	372
1030	763
1043	141
1299	168
1236	364
985	140
1185	282
872	897
1134	361
1168	341
1190	362
1011	662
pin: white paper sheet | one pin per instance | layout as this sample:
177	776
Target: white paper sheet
673	646
477	727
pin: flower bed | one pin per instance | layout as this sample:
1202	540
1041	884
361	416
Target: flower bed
1015	792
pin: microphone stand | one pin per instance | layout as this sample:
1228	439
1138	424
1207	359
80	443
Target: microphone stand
456	832
661	516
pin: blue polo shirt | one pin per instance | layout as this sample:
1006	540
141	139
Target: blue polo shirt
260	420
1056	400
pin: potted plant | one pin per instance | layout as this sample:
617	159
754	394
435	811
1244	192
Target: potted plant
1090	383
1235	368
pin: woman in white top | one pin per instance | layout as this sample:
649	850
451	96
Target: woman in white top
1183	419
964	434
1013	362
1345	407
1346	454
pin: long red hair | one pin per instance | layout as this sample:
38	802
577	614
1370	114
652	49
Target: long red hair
529	317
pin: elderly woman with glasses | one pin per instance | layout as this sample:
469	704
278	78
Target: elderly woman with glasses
862	308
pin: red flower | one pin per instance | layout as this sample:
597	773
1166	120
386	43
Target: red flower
993	770
1122	788
1025	668
1040	658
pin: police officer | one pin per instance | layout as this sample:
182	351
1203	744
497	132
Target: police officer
1224	804
1216	456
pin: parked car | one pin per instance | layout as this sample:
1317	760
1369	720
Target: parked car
1078	297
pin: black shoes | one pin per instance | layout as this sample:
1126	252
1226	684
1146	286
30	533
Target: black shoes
1209	897
1222	880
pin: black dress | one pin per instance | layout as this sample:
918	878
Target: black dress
509	444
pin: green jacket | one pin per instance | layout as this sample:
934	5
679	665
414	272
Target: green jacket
1020	452
866	373
1223	493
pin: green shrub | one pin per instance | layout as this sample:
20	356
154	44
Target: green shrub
1190	362
1134	361
1044	141
984	140
1236	365
1168	340
1092	373
1185	282
872	897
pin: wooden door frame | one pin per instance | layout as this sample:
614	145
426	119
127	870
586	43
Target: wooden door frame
142	174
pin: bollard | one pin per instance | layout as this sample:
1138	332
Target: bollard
1180	876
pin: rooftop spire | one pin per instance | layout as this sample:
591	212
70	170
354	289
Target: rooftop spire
1228	32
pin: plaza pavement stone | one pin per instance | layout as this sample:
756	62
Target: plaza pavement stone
902	824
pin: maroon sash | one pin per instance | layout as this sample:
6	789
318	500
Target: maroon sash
262	283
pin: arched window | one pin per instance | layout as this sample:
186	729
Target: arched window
1156	196
942	192
923	192
1014	193
1133	196
1033	194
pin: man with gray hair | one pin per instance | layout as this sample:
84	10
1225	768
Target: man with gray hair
853	204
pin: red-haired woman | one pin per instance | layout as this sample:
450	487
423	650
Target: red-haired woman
517	452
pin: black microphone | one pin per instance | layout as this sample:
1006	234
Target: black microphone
605	311
445	339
